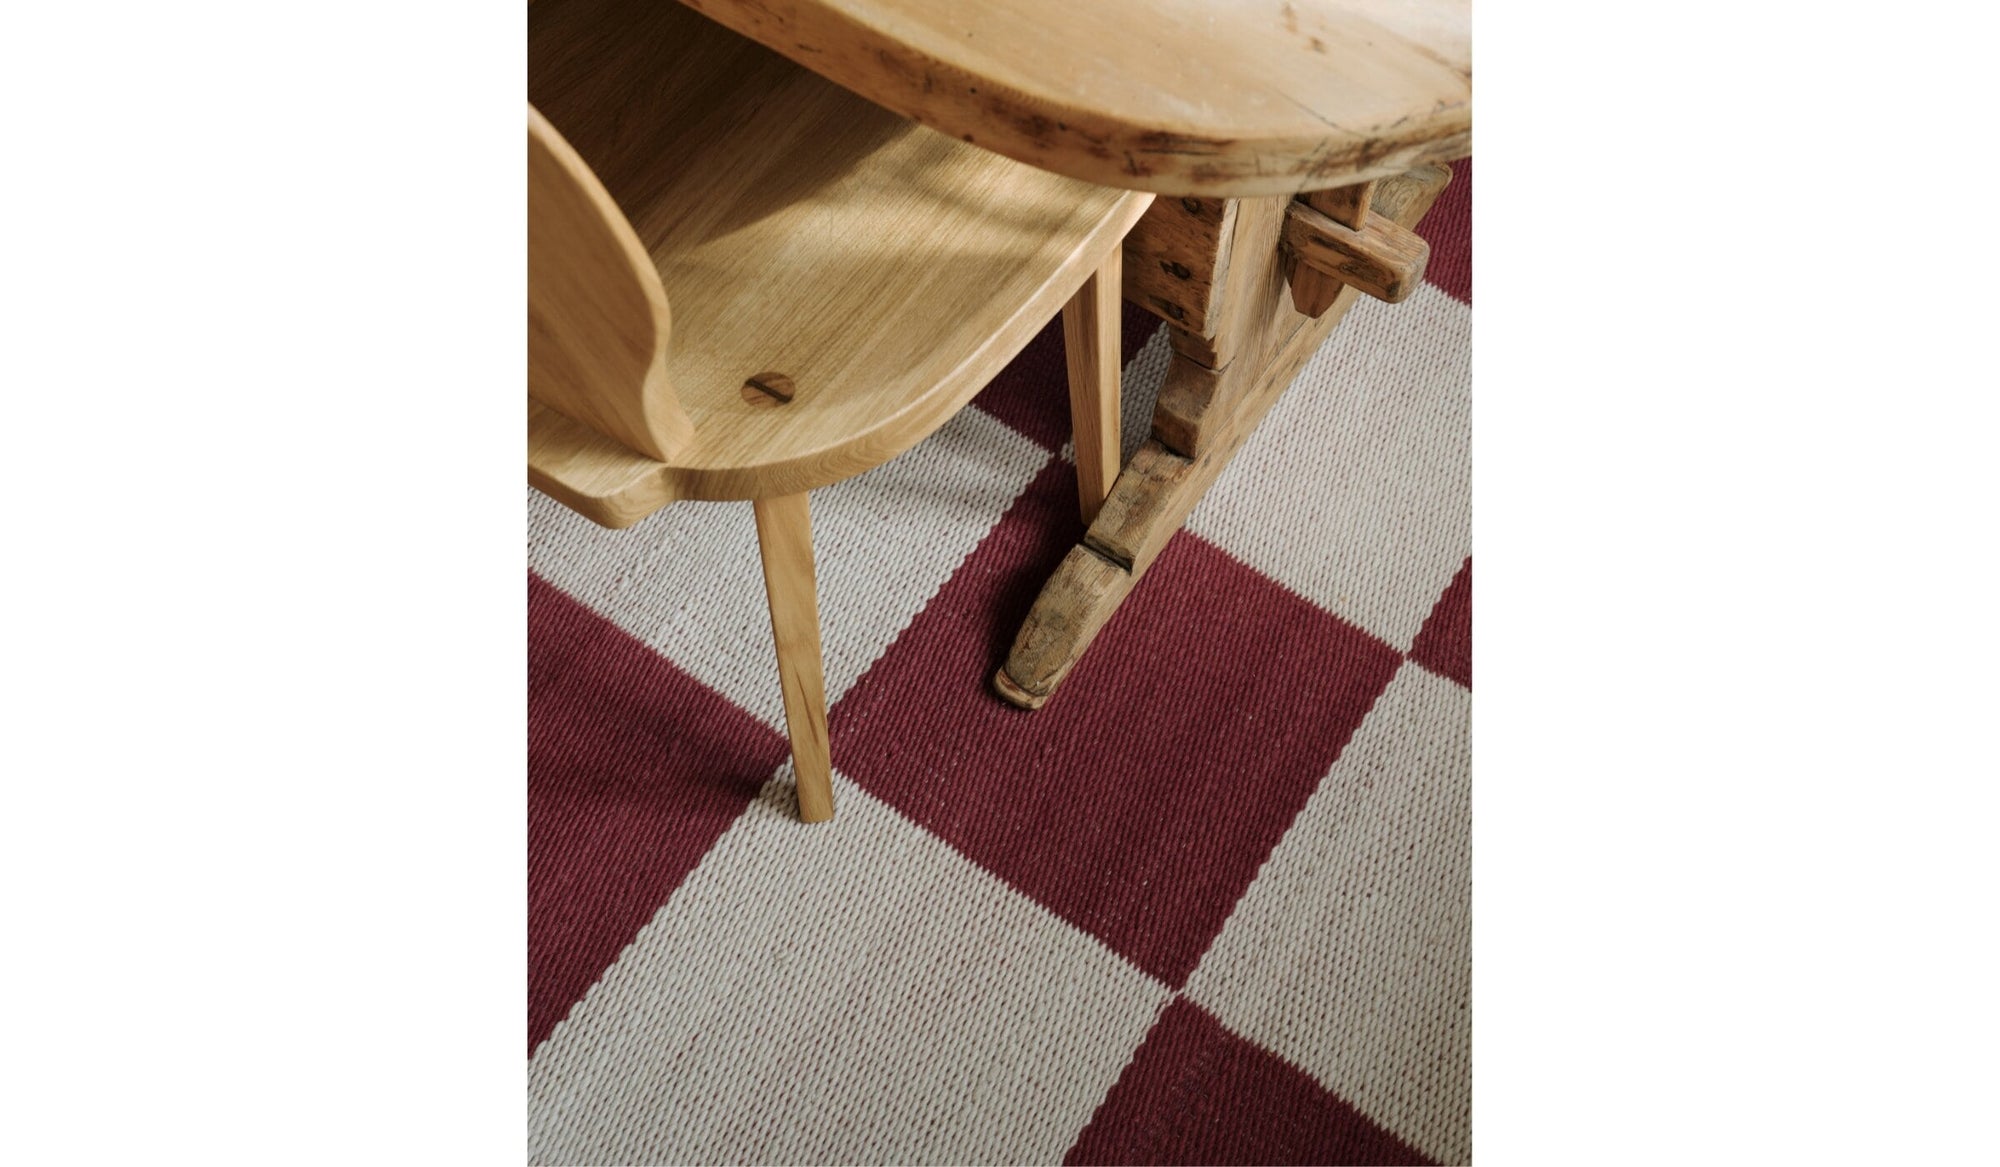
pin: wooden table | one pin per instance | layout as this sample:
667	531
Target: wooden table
1298	141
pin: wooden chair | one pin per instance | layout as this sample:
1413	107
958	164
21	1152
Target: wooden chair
843	282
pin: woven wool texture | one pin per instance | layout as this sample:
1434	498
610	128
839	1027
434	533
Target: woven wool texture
1210	905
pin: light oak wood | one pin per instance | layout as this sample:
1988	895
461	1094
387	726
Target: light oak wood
1160	487
784	539
1091	346
1210	97
1381	259
842	280
886	270
1312	289
597	316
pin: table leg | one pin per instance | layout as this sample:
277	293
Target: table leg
1216	391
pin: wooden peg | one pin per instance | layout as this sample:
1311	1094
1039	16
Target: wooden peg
1379	259
1312	289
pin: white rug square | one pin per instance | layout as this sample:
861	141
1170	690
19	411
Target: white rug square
972	1025
1355	490
1350	955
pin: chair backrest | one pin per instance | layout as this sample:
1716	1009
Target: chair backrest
597	314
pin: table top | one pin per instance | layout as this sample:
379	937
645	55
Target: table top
1188	97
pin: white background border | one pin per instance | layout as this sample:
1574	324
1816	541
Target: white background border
1735	506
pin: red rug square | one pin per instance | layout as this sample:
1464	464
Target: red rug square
1444	646
634	770
1141	801
1448	229
1197	1093
1031	394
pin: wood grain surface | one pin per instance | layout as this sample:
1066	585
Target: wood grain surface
1380	258
1215	97
791	586
1091	350
1313	290
883	270
1177	258
597	317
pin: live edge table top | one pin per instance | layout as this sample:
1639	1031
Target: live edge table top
1232	98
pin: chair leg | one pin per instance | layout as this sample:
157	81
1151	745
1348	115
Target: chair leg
784	536
1090	338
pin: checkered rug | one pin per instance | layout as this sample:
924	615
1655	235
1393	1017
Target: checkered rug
1211	905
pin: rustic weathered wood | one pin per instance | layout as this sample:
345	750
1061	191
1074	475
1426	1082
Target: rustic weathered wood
1250	288
1130	526
1209	97
1256	306
784	539
1160	486
1196	405
1084	592
597	316
887	270
1090	342
1149	503
1312	289
1347	205
1382	259
1176	259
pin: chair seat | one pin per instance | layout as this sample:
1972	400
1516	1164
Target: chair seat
841	280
